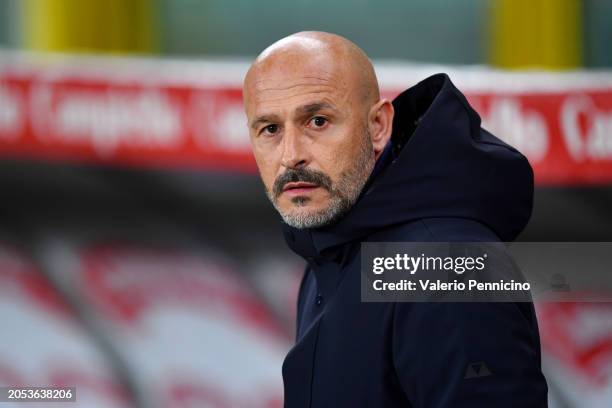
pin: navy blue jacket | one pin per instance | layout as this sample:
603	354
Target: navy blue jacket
444	178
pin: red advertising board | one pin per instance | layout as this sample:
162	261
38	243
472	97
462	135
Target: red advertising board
176	114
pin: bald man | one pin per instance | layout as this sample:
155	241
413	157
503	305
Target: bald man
344	166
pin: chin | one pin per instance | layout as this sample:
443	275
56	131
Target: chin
302	211
308	216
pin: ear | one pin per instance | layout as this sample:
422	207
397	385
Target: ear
381	124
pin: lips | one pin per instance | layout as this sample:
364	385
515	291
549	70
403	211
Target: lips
298	188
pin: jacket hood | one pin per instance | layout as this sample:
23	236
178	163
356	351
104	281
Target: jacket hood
444	165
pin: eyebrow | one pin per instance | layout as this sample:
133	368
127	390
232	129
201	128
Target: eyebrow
313	108
262	119
305	110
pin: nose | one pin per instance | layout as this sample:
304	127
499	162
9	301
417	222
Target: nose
294	154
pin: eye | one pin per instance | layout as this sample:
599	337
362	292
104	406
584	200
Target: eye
319	121
270	129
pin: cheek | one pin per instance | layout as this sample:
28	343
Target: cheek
267	164
340	153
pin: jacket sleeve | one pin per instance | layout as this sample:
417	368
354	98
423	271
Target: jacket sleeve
464	355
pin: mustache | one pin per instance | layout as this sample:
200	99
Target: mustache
304	175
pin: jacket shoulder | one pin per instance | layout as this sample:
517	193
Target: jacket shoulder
440	229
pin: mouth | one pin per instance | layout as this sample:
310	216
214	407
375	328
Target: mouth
299	188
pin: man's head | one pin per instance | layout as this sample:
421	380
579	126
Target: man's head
317	125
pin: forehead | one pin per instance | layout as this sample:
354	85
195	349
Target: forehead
287	86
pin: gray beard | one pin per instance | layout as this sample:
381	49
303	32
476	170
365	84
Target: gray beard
343	194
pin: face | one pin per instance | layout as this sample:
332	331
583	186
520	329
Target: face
311	140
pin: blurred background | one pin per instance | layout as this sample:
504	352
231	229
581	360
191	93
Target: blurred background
139	258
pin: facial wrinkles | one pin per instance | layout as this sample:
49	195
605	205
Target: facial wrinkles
271	93
282	108
278	104
317	70
264	84
290	75
343	193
